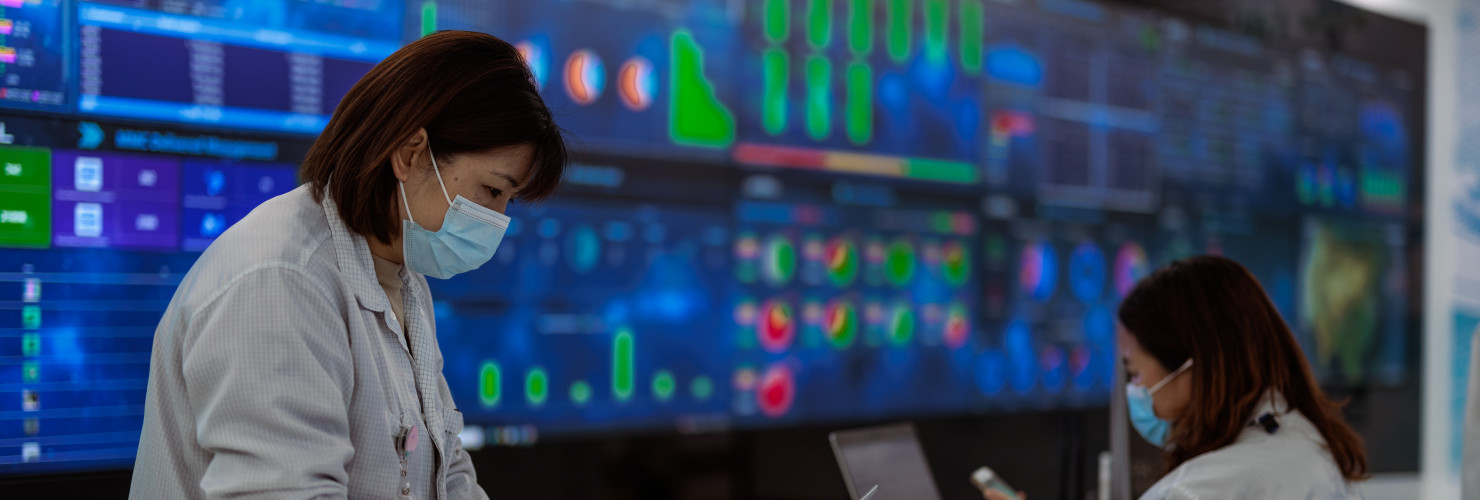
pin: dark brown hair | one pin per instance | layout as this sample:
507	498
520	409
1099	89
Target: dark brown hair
1212	310
472	93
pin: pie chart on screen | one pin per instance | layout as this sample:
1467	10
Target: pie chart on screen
778	326
1130	266
958	326
780	261
1038	274
842	261
777	391
1087	272
840	324
636	84
954	264
585	76
537	59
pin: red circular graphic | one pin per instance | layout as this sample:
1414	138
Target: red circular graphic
776	392
958	328
778	326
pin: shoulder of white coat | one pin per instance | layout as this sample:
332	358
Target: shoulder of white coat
287	232
1288	457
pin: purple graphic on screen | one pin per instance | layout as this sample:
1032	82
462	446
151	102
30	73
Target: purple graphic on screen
115	201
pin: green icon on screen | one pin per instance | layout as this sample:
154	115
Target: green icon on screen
31	317
580	393
702	388
490	379
664	385
536	387
31	344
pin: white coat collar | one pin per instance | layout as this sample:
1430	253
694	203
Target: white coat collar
353	253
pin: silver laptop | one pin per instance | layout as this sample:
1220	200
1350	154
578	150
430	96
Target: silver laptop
886	461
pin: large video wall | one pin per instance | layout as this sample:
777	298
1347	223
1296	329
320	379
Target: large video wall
783	212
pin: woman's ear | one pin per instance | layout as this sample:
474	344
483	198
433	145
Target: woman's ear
403	161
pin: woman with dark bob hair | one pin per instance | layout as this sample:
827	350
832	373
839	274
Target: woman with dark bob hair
1218	381
299	357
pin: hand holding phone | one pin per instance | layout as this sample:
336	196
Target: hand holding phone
992	485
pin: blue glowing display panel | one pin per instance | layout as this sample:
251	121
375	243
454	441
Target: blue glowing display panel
593	311
34	55
785	212
275	67
636	78
891	87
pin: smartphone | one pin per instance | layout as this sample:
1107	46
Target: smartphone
985	478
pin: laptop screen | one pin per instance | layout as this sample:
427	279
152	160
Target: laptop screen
888	457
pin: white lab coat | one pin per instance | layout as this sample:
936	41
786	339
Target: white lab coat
1291	463
280	371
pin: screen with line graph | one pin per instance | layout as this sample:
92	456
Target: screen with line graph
781	212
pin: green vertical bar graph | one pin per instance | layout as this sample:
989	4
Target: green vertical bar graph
861	27
937	27
773	96
536	387
900	23
819	23
777	17
819	97
623	371
860	111
428	17
490	380
973	21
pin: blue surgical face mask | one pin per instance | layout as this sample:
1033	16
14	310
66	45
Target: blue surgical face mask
1143	412
469	236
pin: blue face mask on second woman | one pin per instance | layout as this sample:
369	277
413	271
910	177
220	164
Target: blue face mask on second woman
469	236
1143	413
